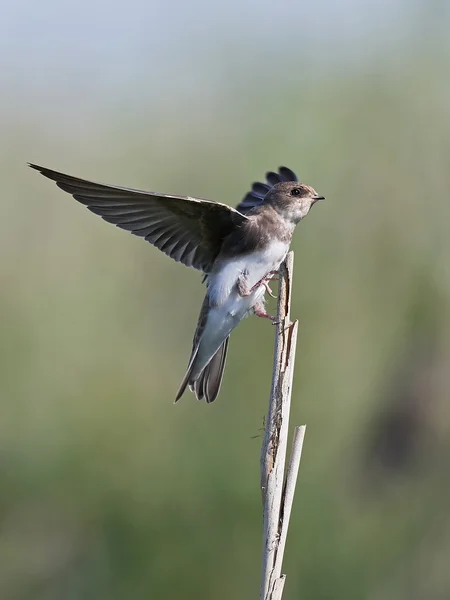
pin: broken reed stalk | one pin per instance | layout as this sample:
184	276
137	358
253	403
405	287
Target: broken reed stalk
278	491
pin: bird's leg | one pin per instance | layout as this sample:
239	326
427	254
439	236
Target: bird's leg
245	291
264	315
242	284
265	282
259	311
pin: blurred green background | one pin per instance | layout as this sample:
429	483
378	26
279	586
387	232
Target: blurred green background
107	489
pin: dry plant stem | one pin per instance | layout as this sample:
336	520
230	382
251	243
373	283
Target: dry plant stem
276	494
289	491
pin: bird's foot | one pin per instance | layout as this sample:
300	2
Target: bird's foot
245	291
261	282
272	276
268	290
259	312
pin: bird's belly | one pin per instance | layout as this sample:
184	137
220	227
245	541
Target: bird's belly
227	306
224	318
237	306
249	270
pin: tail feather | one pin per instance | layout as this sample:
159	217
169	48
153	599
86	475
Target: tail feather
187	376
195	346
207	384
198	386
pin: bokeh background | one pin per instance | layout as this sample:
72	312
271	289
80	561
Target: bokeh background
108	490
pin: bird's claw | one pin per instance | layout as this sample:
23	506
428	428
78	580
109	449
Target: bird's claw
268	290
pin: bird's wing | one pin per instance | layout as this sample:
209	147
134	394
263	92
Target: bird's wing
259	190
189	230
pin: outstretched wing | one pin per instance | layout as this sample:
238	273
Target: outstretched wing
189	230
256	195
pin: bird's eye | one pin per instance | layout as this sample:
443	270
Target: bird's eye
295	192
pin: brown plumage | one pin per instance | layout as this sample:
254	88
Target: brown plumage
235	249
189	230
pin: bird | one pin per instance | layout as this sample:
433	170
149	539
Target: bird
239	250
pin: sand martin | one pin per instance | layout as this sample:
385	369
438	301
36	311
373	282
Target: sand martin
238	250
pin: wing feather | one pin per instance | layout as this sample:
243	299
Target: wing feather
189	230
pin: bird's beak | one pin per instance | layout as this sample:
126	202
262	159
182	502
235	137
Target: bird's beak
316	198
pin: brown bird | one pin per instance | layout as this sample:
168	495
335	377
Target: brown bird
238	250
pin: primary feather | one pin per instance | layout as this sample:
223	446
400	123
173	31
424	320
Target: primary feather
189	230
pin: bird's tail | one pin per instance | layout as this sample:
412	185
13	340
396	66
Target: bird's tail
206	383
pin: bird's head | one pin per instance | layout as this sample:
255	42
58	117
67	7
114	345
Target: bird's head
292	200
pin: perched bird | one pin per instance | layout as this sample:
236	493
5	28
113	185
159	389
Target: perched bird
239	250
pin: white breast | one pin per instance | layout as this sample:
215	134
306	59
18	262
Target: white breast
253	267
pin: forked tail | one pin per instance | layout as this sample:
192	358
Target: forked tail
205	384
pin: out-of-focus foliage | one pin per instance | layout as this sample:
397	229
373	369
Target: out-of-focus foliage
107	490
